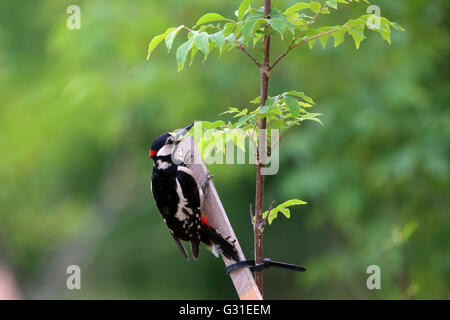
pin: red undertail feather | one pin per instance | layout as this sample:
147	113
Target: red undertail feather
224	244
205	222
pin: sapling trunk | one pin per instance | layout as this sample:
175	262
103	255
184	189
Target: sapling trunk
258	226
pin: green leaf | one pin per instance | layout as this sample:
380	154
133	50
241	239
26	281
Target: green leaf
219	39
215	124
238	138
278	25
182	52
283	208
154	43
247	28
193	54
315	6
201	42
293	106
356	34
385	32
209	17
338	37
225	47
230	110
228	28
243	120
171	37
306	105
243	7
290	203
311	116
331	4
397	26
385	29
258	24
286	212
301	95
297	7
257	100
324	39
311	43
272	216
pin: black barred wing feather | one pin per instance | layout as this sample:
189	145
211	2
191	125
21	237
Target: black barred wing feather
189	205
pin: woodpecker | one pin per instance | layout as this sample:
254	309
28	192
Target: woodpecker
179	198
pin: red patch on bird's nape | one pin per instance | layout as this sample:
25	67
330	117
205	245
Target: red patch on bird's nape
152	153
204	221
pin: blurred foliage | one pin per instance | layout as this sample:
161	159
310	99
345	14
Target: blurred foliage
81	107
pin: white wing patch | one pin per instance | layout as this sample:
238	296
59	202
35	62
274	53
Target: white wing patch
180	215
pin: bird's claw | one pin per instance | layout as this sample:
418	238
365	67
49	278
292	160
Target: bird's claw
205	183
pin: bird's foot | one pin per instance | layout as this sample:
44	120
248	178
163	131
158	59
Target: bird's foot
205	184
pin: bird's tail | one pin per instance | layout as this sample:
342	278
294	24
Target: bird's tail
219	243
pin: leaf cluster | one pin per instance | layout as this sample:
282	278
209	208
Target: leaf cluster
296	25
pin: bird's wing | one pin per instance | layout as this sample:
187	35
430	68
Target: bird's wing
180	246
195	248
189	206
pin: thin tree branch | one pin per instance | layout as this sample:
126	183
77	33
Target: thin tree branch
252	218
189	29
281	135
312	38
299	44
313	19
280	57
258	49
251	138
290	47
241	47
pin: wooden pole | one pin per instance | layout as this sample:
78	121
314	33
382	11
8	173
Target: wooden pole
215	213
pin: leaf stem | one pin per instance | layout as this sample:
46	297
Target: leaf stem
267	216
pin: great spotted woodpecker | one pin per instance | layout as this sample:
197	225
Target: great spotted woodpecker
179	198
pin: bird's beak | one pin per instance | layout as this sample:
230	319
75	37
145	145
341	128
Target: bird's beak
182	132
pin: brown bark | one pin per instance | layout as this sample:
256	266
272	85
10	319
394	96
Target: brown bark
258	225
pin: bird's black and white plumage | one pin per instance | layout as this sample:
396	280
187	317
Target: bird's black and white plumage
179	199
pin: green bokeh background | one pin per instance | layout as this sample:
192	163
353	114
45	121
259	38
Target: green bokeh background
79	109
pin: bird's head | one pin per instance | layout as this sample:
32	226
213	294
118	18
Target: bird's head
165	144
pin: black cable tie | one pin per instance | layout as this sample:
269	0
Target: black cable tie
267	263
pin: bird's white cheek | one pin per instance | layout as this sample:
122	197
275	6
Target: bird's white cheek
166	150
